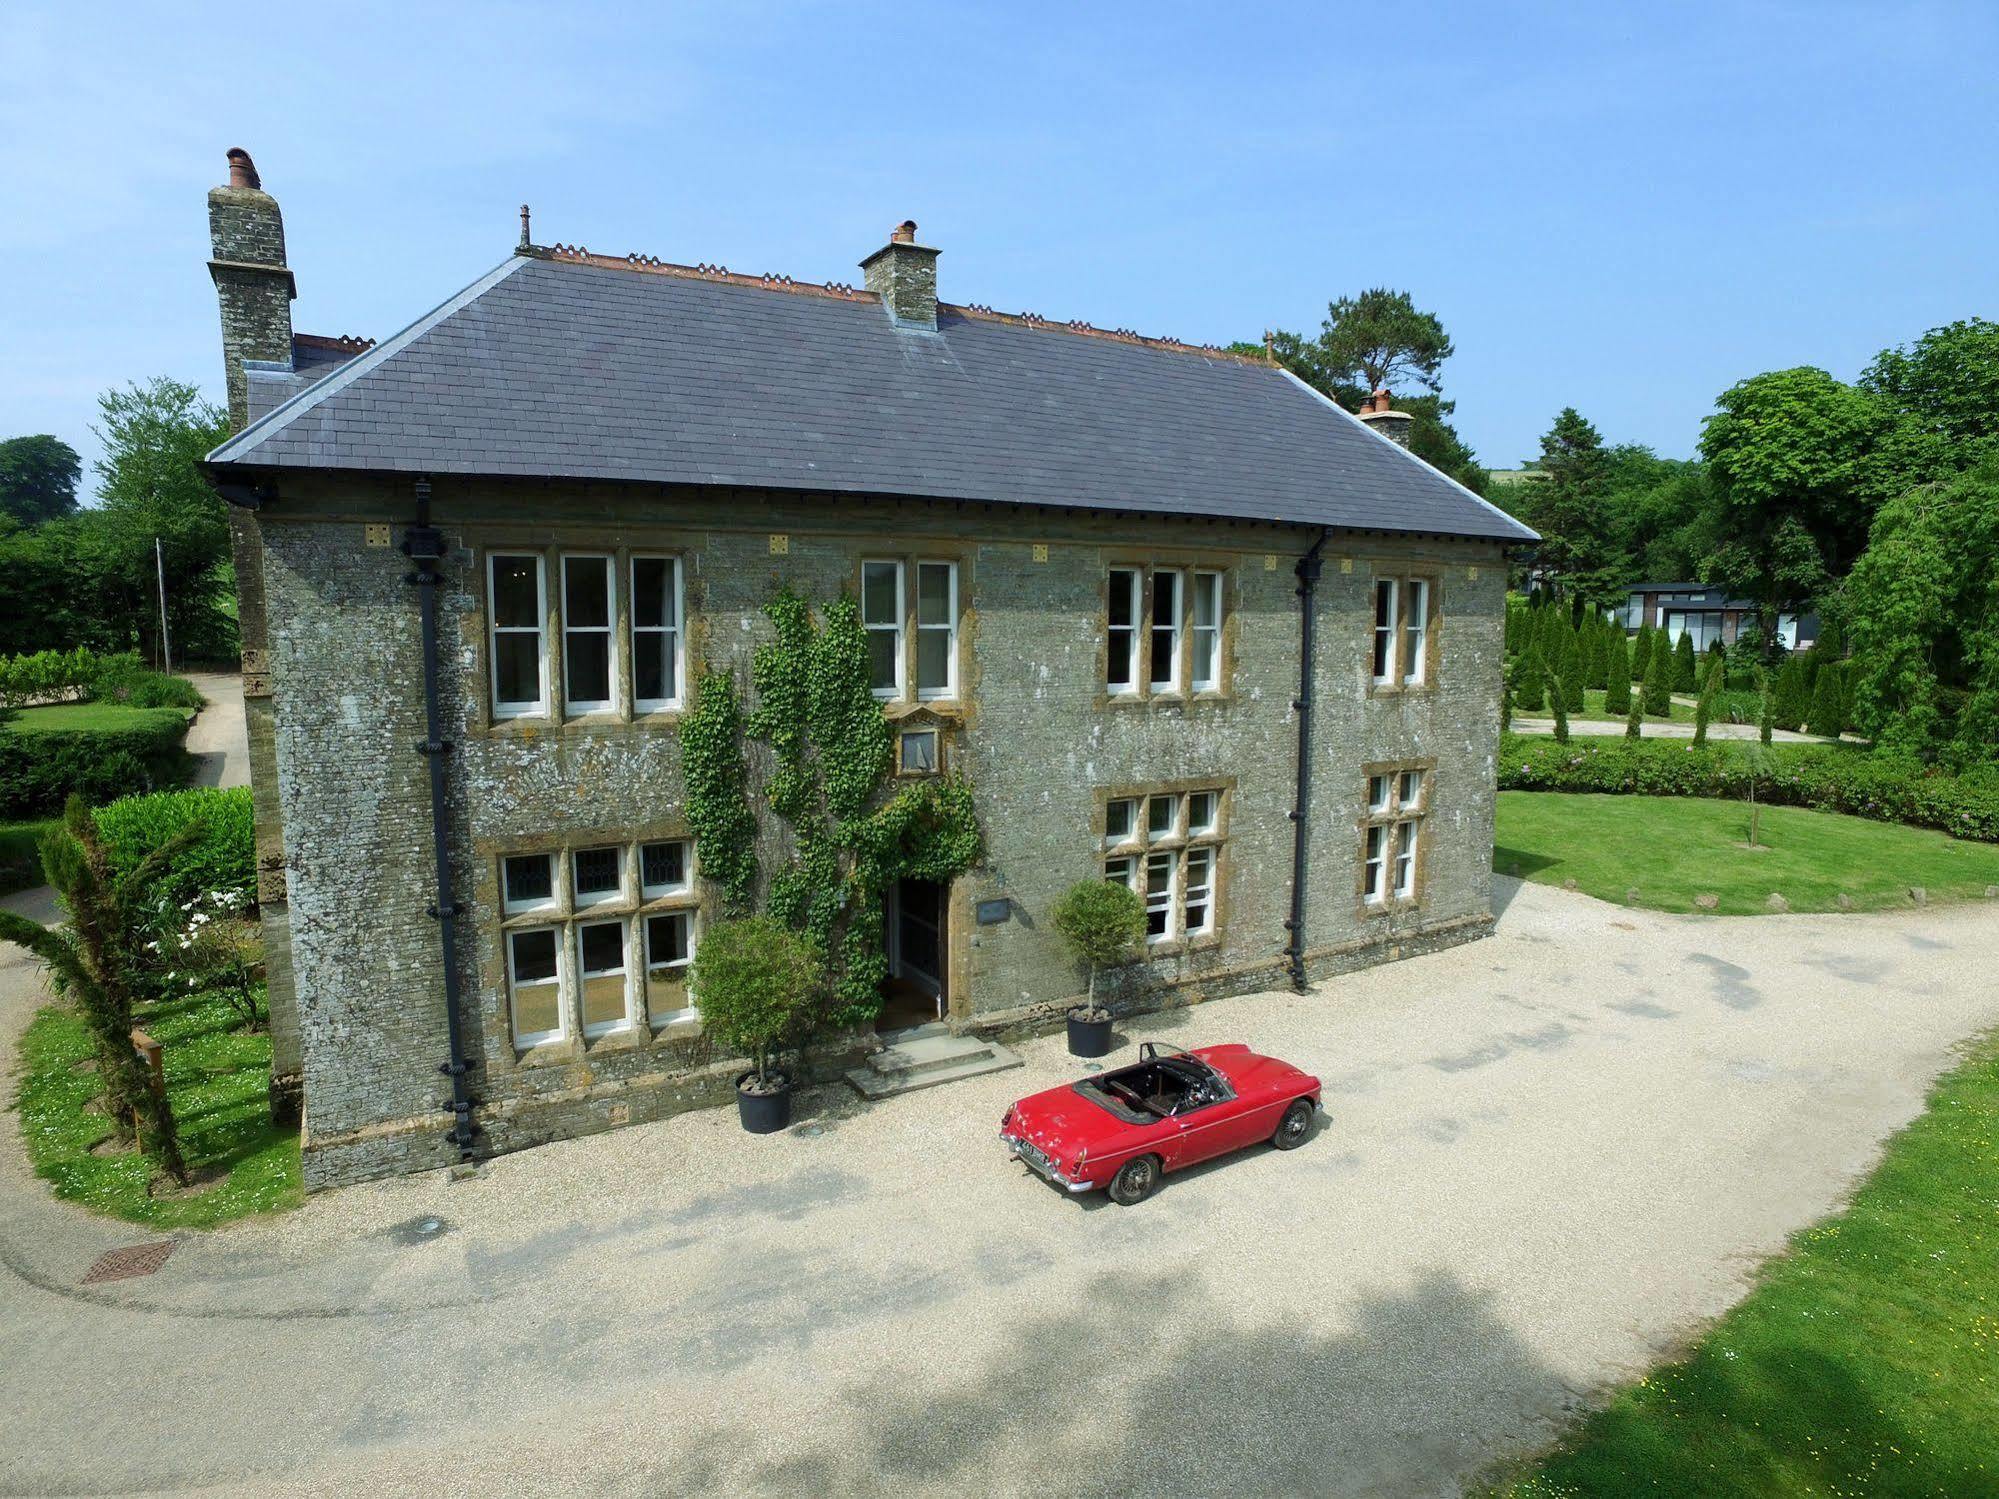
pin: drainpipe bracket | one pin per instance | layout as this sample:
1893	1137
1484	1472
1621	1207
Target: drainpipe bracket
439	913
434	747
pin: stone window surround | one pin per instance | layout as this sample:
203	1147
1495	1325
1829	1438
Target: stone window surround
631	906
905	699
1186	563
1402	574
1395	812
555	713
1140	843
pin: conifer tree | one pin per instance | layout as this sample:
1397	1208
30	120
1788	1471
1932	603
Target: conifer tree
1790	705
1617	674
1601	632
1704	708
1684	679
1826	713
1532	673
1556	696
1658	677
1634	718
1765	720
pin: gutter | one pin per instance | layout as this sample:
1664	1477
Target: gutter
1308	569
423	544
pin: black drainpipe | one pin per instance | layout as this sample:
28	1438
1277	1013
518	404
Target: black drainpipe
1308	570
423	544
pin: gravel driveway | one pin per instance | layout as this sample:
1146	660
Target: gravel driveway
1548	1157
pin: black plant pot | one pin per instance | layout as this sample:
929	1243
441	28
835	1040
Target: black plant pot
1089	1038
764	1113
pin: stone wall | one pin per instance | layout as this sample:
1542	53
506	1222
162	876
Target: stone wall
1036	737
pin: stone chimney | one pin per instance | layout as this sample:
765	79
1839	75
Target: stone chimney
904	273
1379	413
246	236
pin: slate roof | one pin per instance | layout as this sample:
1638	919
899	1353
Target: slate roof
579	370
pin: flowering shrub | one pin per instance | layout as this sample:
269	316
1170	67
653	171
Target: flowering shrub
1882	787
205	945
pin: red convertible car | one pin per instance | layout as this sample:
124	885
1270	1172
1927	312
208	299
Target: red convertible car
1123	1130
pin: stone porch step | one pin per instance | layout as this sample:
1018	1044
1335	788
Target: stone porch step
925	1061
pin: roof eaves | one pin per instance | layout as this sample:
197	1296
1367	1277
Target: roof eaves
238	448
1519	532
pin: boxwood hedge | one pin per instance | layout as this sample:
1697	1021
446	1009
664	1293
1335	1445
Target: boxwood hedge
39	770
1884	787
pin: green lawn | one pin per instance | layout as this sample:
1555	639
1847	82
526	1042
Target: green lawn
20	859
1865	1361
1671	849
1594	697
217	1077
84	716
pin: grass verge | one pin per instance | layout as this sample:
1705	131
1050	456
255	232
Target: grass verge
1671	849
1865	1361
73	717
217	1077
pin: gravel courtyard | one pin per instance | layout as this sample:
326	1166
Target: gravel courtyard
1547	1157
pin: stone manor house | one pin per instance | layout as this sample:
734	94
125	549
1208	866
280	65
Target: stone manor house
1179	620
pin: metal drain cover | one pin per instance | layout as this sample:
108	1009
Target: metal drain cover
128	1263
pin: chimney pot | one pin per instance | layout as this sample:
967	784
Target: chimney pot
1379	412
242	170
903	233
904	275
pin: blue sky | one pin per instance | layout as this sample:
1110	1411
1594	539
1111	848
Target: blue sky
1616	206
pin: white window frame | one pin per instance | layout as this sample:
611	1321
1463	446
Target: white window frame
949	630
526	1039
1409	788
1204	826
1203	855
1387	625
1122	869
1406	833
1173	629
593	1030
1114	839
690	928
659	892
1415	640
549	902
1380	792
572	705
579	901
1164	900
494	630
1374	877
671	634
1172	799
1206	637
1133	580
893	630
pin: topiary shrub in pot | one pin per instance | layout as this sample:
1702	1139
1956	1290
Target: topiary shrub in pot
1102	925
757	984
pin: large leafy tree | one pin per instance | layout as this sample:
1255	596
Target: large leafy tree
1922	609
37	478
1941	395
1787	455
152	487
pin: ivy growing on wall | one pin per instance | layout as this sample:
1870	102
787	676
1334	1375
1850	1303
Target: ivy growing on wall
725	830
832	756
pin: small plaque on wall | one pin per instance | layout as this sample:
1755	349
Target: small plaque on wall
993	912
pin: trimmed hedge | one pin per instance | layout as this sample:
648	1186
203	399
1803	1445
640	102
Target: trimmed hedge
62	676
223	858
1885	788
39	771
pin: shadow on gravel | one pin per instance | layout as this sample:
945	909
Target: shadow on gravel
1156	1386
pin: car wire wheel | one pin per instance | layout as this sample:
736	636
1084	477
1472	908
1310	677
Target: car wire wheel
1294	1126
1134	1181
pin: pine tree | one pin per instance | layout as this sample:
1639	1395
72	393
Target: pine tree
1826	715
1684	679
1704	708
1617	674
1532	676
1659	678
